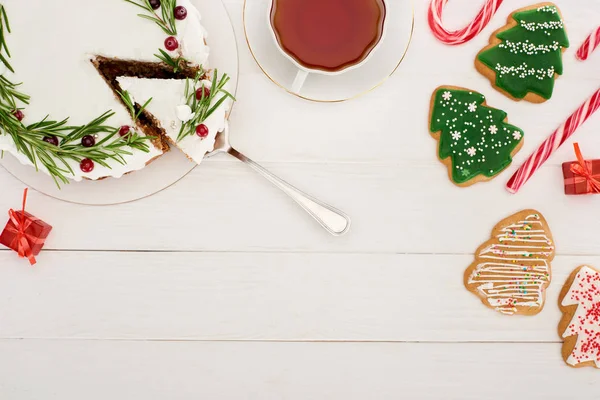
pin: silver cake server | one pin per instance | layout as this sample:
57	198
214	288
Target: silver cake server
333	220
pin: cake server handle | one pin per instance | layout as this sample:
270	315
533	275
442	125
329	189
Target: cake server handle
333	220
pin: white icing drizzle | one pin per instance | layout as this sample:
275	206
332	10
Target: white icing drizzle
585	294
514	268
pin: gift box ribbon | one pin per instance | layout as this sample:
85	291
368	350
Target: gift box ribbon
583	171
23	240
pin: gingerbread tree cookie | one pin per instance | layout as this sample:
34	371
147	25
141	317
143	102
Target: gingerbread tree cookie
525	56
580	325
475	142
512	270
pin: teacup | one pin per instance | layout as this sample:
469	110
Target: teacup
327	37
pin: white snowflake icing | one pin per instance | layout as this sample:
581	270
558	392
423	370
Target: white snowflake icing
470	140
517	135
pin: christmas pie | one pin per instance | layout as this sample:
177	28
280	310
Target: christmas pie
95	89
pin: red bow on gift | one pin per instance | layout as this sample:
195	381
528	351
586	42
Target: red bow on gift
583	169
22	241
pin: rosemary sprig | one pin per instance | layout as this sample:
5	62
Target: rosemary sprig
29	140
135	115
4	28
168	13
176	63
167	21
9	93
206	105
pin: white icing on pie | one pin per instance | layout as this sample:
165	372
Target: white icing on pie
51	51
168	105
192	36
134	162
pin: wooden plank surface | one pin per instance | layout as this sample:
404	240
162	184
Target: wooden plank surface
99	370
221	288
371	157
394	210
261	296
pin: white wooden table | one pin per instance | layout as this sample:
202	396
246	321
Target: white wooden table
231	292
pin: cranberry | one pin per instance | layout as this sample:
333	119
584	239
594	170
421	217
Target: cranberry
124	131
88	141
201	91
155	4
180	13
19	115
202	131
51	139
86	165
171	43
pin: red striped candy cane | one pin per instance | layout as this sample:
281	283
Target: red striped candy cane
589	45
566	130
463	35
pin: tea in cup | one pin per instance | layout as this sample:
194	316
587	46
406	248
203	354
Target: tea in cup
327	36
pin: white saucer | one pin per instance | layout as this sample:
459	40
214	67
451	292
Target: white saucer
382	63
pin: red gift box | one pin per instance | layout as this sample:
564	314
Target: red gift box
25	233
581	176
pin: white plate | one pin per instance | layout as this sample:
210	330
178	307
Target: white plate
382	63
163	172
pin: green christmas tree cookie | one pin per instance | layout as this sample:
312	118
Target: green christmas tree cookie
475	142
525	57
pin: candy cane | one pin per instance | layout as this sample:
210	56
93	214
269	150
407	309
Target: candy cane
539	157
589	45
464	35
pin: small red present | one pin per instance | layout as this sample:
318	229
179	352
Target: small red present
25	233
581	176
